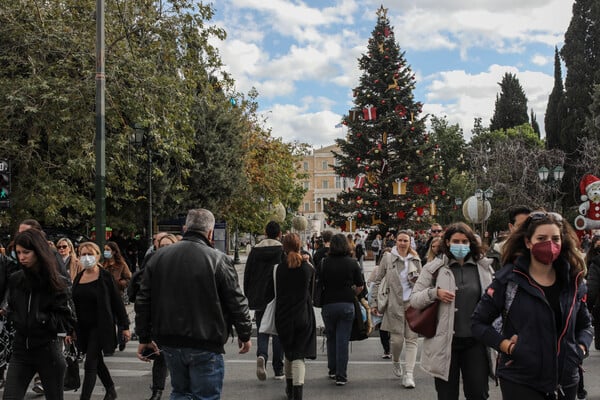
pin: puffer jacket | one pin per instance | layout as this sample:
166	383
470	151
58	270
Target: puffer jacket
542	358
259	271
390	266
190	297
436	352
37	313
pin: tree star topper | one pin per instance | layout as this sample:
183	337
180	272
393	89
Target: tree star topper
382	12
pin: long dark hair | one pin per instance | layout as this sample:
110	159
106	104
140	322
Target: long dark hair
47	265
117	256
461	227
515	244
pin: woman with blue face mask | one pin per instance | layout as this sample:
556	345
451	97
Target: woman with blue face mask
457	279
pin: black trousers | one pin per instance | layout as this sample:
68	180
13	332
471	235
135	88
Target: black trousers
384	338
94	365
46	360
469	357
511	391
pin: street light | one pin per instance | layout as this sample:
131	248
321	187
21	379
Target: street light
552	178
458	204
141	136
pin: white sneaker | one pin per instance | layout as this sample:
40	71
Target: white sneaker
397	368
261	370
408	381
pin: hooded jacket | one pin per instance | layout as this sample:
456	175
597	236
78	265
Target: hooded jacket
542	358
259	271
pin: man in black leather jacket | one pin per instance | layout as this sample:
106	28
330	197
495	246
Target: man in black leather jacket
189	298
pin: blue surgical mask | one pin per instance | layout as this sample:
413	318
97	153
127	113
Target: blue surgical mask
107	254
459	251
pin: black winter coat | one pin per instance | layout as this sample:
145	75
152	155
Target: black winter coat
542	358
37	313
294	312
593	282
259	271
110	309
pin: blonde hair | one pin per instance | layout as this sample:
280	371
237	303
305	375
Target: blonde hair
91	245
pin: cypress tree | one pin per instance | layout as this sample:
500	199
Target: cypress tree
552	119
534	124
511	104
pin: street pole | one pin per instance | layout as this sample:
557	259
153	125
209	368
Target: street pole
150	224
100	143
236	254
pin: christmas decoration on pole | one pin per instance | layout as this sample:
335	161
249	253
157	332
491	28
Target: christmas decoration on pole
396	166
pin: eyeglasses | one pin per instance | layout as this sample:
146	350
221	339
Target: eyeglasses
62	246
436	231
541	215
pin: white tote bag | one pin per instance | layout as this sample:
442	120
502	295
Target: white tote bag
267	324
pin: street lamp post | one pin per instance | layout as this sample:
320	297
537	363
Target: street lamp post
236	247
483	196
458	204
552	178
100	142
140	137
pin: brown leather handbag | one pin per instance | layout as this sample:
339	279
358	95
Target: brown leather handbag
424	321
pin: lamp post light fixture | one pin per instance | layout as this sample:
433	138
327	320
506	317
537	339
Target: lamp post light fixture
141	136
483	196
552	178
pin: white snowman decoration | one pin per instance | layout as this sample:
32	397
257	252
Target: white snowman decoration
590	208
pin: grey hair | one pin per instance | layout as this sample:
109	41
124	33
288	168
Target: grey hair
200	220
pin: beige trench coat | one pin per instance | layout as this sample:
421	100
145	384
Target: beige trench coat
437	351
390	266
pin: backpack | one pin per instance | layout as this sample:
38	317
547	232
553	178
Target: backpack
361	325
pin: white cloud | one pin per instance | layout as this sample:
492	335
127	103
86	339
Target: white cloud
539	59
463	96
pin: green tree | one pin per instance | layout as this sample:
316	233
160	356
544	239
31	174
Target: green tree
581	54
554	110
387	145
534	123
511	104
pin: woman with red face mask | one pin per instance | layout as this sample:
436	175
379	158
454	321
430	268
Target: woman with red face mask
534	312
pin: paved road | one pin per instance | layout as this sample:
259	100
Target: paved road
369	376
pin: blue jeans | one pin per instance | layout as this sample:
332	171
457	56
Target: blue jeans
338	319
262	345
195	374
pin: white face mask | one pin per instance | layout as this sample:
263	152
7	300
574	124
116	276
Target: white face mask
88	261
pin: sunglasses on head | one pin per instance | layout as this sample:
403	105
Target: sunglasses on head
62	246
436	231
541	215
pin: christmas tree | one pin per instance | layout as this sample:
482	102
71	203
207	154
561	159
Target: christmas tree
390	163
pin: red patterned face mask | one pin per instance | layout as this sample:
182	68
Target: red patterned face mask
545	252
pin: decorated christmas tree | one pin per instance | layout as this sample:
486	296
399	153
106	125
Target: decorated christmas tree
391	166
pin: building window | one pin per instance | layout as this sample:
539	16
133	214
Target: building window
325	184
324	165
306	207
338	182
306	165
306	185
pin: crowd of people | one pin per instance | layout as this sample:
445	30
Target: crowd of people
516	312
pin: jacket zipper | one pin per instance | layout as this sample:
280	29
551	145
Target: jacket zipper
28	311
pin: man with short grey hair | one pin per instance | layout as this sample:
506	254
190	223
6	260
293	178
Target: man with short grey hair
189	298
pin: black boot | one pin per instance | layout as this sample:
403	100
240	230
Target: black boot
156	394
111	393
298	392
289	384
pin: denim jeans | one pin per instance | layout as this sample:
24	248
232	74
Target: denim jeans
195	374
47	360
262	345
338	319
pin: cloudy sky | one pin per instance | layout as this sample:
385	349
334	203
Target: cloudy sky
301	56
